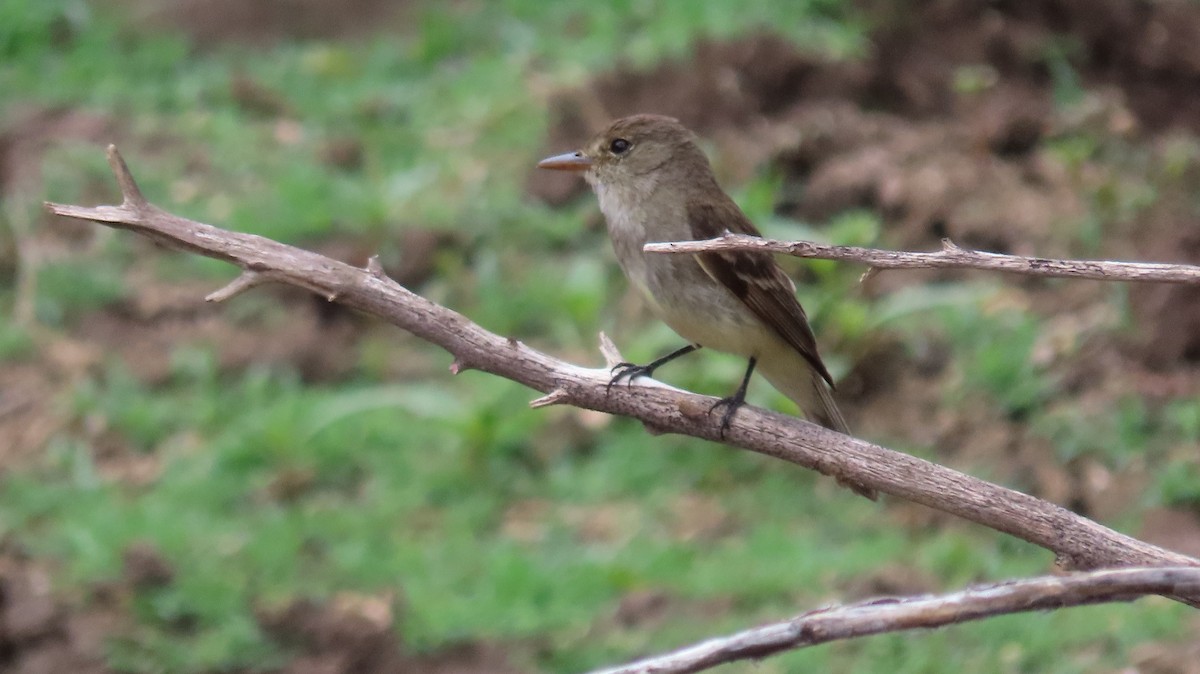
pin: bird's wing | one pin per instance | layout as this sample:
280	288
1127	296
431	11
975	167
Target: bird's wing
754	278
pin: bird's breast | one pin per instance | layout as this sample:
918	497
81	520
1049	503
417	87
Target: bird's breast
678	290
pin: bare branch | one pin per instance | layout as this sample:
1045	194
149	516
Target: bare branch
950	257
1077	542
895	615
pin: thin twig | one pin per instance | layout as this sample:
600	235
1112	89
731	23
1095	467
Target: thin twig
950	257
894	615
1077	542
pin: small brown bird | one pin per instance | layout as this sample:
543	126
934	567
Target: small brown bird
655	184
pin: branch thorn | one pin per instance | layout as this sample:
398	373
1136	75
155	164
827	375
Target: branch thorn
130	192
245	281
555	397
375	268
612	357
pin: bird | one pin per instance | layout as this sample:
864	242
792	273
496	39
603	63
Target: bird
655	184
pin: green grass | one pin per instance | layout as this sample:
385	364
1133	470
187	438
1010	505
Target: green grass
484	519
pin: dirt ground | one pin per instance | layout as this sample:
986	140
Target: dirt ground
941	129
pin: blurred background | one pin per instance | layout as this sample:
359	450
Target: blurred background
280	485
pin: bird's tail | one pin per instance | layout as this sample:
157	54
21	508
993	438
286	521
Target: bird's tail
795	379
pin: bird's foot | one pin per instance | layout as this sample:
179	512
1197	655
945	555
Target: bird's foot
628	372
731	405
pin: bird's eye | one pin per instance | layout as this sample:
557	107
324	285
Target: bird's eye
620	146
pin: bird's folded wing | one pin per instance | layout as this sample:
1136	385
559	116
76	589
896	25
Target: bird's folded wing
754	278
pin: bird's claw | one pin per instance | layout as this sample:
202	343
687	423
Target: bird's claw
731	405
628	372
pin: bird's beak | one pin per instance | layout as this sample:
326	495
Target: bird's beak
570	161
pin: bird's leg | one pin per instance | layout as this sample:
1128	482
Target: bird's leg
629	371
733	402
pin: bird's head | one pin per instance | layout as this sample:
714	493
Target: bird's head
631	149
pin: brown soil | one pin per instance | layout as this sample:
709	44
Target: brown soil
945	128
357	635
38	633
